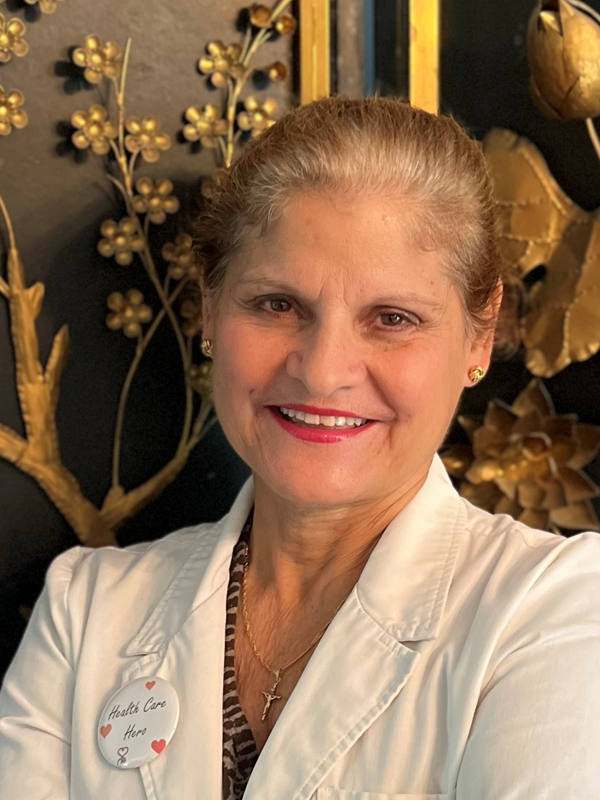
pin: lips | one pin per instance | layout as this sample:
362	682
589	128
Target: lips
318	433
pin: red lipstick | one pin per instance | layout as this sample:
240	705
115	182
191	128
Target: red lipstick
320	435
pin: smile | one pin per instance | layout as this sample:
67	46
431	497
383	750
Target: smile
317	428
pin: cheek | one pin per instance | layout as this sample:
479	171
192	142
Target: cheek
245	363
425	376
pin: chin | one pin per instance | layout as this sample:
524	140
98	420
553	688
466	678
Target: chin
319	488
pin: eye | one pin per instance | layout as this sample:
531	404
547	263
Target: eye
397	319
276	305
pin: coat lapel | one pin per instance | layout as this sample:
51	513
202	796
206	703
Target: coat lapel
183	642
362	662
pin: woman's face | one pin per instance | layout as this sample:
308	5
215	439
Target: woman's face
334	309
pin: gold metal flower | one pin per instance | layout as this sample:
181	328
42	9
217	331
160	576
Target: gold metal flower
99	60
285	25
525	461
191	312
11	112
128	312
200	379
563	45
46	6
222	62
94	130
181	259
204	125
154	198
145	137
121	240
11	39
277	72
257	116
260	16
209	185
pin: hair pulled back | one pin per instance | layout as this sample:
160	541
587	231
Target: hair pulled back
353	147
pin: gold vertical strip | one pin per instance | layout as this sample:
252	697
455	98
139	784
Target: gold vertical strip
424	54
315	47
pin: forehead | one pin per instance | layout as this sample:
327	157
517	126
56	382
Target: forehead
367	241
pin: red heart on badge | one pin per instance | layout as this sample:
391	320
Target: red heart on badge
105	730
158	745
150	684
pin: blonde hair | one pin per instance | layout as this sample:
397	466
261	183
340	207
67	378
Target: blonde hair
370	145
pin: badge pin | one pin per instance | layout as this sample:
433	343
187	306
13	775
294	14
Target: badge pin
138	722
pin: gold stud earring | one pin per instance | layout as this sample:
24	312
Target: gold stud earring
476	374
207	348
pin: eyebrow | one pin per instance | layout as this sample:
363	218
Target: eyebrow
384	300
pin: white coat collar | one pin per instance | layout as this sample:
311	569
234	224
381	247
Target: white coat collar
403	586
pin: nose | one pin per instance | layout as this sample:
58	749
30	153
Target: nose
326	358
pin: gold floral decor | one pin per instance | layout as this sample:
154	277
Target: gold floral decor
124	143
526	461
539	224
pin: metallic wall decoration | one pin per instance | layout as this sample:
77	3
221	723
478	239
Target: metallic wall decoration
526	461
220	126
564	56
424	54
540	225
106	128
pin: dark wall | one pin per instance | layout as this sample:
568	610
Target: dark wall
57	201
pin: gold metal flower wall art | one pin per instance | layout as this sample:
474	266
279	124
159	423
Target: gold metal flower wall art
125	243
11	113
219	126
12	40
526	461
539	225
129	141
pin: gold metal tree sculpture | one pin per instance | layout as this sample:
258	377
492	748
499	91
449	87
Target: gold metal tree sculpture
109	132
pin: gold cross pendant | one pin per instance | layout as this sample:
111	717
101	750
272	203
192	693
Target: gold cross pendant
270	695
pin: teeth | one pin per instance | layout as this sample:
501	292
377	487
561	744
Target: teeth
325	420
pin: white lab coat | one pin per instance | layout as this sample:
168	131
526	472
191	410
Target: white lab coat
464	664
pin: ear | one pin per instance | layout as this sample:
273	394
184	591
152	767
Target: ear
482	346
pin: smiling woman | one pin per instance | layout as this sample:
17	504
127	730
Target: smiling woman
393	640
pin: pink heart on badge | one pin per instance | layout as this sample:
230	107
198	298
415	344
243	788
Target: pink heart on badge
150	684
158	745
105	730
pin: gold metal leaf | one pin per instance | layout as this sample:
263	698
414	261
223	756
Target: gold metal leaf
540	225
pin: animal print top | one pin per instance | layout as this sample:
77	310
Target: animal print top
239	748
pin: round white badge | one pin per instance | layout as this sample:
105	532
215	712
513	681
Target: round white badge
138	722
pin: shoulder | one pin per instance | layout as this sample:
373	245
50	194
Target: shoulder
519	562
86	584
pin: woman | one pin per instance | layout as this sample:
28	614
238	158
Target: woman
352	628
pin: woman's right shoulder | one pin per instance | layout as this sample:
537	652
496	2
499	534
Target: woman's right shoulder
83	581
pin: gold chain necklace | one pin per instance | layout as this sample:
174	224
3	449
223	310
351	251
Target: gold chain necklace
270	695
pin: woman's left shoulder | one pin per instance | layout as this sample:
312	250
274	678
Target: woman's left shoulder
519	549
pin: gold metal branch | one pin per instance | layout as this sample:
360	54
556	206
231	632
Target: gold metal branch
38	388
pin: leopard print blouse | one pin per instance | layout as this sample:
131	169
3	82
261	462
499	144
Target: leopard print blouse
239	748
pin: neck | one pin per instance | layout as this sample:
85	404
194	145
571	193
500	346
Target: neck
302	554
